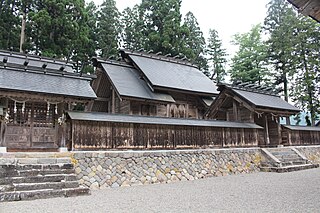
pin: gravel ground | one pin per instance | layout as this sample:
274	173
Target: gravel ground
259	192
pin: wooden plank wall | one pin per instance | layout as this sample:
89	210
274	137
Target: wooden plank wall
300	137
86	135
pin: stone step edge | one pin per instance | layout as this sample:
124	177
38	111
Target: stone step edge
42	183
38	186
13	161
43	194
290	168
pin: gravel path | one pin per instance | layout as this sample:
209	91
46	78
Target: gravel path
259	192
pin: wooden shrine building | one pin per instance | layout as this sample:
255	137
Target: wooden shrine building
34	93
150	101
152	85
245	102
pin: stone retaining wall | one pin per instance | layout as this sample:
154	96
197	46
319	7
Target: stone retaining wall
310	152
104	169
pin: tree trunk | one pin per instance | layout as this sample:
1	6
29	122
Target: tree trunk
23	29
285	90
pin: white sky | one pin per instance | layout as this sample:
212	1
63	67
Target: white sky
228	17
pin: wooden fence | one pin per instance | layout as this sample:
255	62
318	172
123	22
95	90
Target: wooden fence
295	136
88	135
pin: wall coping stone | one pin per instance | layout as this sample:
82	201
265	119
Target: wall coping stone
115	153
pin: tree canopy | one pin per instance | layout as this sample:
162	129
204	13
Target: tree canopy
283	51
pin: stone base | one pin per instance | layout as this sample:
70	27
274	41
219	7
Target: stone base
3	149
63	149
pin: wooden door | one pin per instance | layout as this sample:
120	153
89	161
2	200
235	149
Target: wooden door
31	126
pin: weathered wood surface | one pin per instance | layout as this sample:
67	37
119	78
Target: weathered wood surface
108	135
300	137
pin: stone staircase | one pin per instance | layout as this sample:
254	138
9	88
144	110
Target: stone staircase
284	159
29	176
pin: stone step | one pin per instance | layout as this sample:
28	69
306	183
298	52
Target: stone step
283	153
50	185
41	194
289	168
38	179
35	155
289	163
24	173
8	161
44	166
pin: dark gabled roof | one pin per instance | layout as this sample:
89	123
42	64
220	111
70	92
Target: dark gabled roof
165	73
128	83
25	73
254	97
303	128
308	7
265	100
95	116
259	96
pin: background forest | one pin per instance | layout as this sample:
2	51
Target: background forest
284	51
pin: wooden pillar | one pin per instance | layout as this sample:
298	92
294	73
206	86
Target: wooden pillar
227	116
279	130
266	130
242	137
2	134
113	104
235	110
289	137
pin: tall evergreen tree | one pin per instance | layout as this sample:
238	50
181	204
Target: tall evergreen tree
132	29
217	56
57	27
108	29
305	87
193	43
248	65
279	24
162	25
9	24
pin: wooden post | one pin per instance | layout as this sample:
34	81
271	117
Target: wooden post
279	130
113	107
235	110
266	129
2	134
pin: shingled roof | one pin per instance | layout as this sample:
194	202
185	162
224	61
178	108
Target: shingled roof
169	73
128	83
259	98
35	74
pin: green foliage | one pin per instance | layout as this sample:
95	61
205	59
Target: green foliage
248	65
192	45
217	56
305	87
279	24
9	22
162	21
108	31
132	29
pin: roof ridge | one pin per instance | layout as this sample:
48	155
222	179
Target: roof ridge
160	57
246	86
37	70
34	57
114	62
